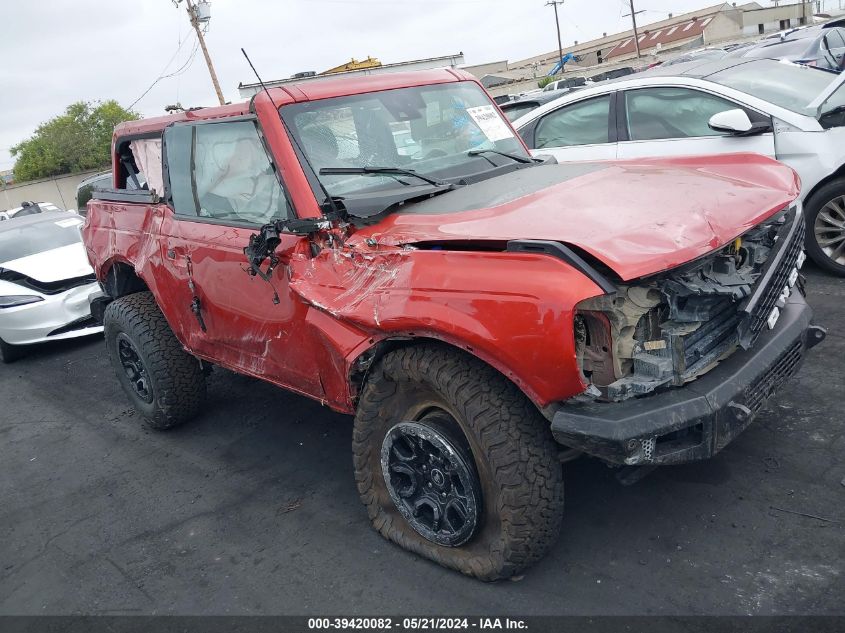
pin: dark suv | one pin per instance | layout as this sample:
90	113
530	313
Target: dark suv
85	189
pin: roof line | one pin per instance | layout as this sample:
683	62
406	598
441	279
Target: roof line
347	72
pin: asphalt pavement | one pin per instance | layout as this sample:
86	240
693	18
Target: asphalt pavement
252	508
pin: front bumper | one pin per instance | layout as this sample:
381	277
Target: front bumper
59	316
697	420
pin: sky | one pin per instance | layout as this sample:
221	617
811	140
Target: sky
57	52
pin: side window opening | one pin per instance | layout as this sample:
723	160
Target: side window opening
137	175
667	113
582	123
222	171
132	170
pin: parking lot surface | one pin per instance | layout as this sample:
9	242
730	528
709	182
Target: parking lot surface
252	509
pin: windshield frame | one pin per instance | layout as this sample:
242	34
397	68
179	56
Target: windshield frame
467	168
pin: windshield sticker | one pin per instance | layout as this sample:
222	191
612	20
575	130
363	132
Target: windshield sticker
490	123
432	113
67	223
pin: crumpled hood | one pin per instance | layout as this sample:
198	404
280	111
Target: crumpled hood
58	264
638	217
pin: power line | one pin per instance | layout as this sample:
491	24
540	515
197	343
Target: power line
198	14
633	15
161	73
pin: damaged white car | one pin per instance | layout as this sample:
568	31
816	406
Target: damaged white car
45	282
786	111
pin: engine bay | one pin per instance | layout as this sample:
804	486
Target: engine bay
671	328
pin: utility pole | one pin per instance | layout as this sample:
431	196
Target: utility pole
554	3
633	15
195	22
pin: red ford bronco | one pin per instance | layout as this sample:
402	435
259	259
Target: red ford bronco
387	246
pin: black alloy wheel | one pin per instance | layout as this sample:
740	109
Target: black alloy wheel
432	479
133	367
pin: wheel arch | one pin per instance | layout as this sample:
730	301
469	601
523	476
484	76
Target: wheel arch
121	279
836	175
363	360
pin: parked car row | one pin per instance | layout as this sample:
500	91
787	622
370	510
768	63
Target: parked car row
822	46
517	108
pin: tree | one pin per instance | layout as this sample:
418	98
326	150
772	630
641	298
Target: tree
77	140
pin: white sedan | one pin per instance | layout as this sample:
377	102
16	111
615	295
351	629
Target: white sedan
27	208
790	112
45	282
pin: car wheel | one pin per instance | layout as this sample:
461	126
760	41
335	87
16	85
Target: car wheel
163	382
825	215
455	464
10	353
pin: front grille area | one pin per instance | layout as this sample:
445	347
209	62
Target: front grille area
781	370
710	341
44	287
777	281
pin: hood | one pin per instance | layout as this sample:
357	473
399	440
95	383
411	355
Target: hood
638	218
58	264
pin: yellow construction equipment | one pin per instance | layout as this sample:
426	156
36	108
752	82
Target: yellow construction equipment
353	64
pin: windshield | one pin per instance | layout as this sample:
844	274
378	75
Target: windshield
27	239
427	129
789	86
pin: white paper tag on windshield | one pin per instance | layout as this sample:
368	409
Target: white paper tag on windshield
69	222
490	123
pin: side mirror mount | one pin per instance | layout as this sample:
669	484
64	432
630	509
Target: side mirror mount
544	159
731	121
737	123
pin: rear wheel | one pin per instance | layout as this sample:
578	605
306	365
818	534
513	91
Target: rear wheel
825	213
10	353
455	464
163	382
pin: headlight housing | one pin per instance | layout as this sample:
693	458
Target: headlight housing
13	301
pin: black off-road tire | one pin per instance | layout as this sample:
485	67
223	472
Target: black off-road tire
812	207
514	454
175	380
10	353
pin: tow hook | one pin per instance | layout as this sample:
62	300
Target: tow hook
815	335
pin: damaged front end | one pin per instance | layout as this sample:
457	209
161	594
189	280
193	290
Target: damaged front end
669	329
729	327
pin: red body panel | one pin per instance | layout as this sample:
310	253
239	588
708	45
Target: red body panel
513	310
638	218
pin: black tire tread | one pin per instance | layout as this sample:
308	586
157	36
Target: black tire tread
177	377
516	441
